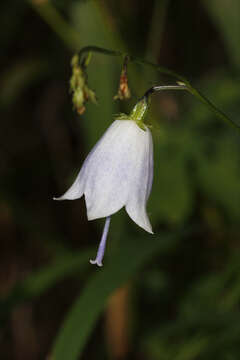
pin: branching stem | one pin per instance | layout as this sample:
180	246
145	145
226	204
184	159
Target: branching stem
183	83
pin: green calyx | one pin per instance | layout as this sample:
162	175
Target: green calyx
139	112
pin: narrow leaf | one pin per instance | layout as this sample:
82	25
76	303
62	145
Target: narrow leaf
124	264
39	282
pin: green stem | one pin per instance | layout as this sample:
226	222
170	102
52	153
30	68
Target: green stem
181	80
167	87
140	109
212	107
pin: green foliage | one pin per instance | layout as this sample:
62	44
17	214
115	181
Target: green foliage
72	338
186	289
218	176
39	282
196	156
20	77
207	322
226	15
172	196
101	72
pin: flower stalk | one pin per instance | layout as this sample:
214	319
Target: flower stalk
181	79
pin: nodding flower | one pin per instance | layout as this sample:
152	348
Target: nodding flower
118	172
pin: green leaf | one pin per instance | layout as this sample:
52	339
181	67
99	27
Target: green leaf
39	282
102	72
19	77
171	199
225	14
131	255
218	176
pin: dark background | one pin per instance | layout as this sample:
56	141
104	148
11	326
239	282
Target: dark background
174	295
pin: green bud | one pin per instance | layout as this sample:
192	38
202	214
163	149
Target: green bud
78	98
79	86
75	60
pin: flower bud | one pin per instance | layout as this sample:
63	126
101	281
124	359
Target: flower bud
79	86
123	90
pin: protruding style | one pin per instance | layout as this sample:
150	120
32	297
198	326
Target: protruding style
117	173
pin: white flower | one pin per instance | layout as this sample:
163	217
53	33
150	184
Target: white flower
118	172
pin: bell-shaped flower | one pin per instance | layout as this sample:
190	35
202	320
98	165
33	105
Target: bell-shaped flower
117	173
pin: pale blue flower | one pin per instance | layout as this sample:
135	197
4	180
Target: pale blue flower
117	173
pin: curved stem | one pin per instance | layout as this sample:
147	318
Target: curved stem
182	81
100	50
164	87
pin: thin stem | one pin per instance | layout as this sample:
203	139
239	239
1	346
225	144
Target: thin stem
181	80
164	87
100	50
212	107
169	87
72	40
134	59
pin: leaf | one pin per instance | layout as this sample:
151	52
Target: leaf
39	282
124	264
89	21
225	90
19	77
172	195
225	13
218	177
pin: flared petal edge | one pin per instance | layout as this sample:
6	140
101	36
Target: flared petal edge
74	192
140	217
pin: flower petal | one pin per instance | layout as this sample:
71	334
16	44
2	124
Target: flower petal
117	172
110	168
150	165
142	184
75	191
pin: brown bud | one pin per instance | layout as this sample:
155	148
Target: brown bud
123	90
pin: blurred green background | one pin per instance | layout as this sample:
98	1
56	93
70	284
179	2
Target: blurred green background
171	296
